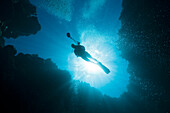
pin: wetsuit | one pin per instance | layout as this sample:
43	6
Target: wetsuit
80	52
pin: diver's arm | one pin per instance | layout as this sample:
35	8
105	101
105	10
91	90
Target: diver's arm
75	53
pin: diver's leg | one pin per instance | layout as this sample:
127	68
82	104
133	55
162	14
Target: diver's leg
90	57
85	58
94	59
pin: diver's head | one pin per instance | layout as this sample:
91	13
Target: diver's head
68	35
73	46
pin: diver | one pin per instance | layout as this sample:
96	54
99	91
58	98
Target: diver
79	51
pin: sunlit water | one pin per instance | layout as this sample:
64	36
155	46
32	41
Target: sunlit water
103	49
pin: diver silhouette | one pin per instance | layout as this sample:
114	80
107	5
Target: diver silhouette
79	51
